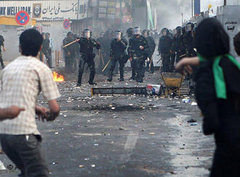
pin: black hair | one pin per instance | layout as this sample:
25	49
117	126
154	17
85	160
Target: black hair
237	43
144	31
30	42
211	39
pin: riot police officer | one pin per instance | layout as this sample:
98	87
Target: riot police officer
164	49
178	44
47	50
138	51
188	40
69	53
152	47
87	56
118	54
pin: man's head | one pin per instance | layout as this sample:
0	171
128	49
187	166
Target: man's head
30	42
237	43
189	27
47	35
130	32
179	30
164	31
211	39
87	33
145	33
70	34
137	31
117	34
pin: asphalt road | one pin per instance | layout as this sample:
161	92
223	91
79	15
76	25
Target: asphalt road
123	136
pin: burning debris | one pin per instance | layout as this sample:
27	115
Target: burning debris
57	77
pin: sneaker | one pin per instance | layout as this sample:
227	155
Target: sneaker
109	80
78	85
121	79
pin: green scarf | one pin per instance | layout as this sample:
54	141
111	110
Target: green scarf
220	85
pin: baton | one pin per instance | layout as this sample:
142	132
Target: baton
107	65
70	43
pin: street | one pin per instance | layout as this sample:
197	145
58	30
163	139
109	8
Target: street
123	136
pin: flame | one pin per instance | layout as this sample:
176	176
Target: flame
57	77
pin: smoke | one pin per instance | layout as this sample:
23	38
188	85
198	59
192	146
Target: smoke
170	13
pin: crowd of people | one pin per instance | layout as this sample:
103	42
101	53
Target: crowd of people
115	49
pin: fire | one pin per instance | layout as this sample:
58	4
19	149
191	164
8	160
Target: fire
57	77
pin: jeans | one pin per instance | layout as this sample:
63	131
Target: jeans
24	152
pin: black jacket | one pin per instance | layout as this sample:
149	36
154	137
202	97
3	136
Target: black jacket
151	44
165	45
87	45
221	117
135	43
118	47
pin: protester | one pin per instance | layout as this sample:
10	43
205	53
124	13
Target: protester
2	48
218	95
236	42
21	82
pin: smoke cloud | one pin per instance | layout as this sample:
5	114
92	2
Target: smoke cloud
169	12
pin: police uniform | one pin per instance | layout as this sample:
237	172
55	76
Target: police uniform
178	45
87	57
138	56
47	51
152	47
164	49
69	53
119	55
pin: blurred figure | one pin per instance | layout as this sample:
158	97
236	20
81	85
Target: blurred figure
76	54
178	47
2	49
188	40
69	53
152	47
217	94
118	54
106	47
87	56
138	51
164	49
47	50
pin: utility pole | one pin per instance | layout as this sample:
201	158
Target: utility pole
225	2
192	8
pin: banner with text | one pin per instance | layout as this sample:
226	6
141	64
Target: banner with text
46	10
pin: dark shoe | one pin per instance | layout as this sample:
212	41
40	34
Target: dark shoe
92	83
140	80
109	80
121	79
78	85
132	78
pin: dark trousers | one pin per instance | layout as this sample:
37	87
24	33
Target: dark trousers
69	63
114	62
166	62
140	69
48	55
24	152
133	66
150	66
226	162
1	60
89	60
